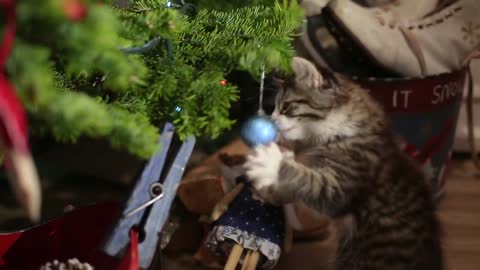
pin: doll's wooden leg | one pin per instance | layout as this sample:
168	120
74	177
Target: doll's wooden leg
222	206
247	258
234	257
251	260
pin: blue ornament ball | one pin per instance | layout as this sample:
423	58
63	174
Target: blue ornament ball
259	130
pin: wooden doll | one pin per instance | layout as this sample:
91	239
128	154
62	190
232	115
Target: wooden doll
244	228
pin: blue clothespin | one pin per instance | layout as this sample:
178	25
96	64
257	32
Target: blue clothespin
148	207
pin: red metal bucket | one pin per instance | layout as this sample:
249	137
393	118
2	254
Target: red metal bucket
77	234
424	114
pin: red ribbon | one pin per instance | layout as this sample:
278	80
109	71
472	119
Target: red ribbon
13	122
130	260
9	36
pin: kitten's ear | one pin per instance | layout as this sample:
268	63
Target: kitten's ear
306	74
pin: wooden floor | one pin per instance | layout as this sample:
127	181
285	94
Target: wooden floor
460	214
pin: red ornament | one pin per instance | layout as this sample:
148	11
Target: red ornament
223	82
75	10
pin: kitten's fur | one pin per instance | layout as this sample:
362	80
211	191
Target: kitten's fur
349	165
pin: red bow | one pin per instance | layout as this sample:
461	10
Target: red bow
13	128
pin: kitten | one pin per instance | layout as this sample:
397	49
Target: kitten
347	163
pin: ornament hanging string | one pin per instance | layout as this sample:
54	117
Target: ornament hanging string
261	112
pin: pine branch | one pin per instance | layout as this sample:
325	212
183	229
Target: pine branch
67	115
141	6
75	79
225	37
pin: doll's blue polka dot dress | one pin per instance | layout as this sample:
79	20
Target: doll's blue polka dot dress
251	223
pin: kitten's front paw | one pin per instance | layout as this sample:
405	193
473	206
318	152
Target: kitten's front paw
262	167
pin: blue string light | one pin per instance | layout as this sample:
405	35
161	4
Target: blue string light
178	108
150	45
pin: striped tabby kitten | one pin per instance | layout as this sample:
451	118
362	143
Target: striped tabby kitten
346	163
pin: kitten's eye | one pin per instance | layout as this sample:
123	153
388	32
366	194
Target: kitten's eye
327	85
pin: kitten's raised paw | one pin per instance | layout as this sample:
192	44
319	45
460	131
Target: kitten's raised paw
262	167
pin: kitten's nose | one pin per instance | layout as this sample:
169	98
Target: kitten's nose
274	116
274	119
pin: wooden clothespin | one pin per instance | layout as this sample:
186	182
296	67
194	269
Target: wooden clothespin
148	208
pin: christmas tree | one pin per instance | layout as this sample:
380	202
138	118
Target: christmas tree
103	70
